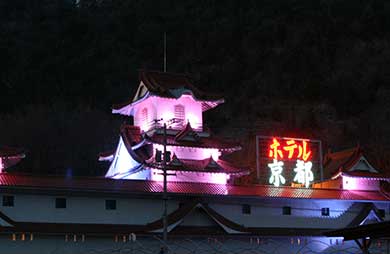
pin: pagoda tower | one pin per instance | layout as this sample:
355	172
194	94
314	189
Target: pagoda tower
193	153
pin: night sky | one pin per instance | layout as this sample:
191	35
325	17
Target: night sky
310	69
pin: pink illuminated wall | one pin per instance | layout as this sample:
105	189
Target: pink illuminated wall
145	122
354	183
190	152
1	165
164	108
183	176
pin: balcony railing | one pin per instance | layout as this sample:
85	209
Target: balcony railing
174	124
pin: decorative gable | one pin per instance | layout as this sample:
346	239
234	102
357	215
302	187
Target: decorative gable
202	215
141	91
176	161
363	165
187	134
369	214
213	165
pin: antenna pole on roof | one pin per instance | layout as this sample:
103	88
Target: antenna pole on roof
165	52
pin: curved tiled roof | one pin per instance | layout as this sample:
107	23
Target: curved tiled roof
172	85
342	160
174	220
201	142
375	230
162	84
6	151
201	166
141	187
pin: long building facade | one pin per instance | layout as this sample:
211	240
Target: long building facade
207	212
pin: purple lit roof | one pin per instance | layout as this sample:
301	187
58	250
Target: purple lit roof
139	187
202	166
201	142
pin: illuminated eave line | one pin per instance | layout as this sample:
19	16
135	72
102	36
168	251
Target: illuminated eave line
120	110
195	171
14	157
365	177
130	105
232	149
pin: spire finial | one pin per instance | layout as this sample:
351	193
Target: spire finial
165	52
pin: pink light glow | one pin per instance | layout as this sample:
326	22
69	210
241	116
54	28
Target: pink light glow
200	177
166	116
1	165
164	108
190	152
355	183
193	120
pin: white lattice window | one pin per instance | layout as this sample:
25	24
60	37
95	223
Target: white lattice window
144	116
180	114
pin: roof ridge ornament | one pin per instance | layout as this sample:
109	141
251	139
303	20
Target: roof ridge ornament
212	164
187	133
175	161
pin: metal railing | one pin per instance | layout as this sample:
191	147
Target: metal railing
174	124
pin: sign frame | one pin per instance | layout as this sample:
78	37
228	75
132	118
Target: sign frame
258	137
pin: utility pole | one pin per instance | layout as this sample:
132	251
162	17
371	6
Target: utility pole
165	196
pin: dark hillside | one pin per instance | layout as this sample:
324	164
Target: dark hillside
299	68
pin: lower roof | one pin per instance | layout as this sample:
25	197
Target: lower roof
375	230
142	187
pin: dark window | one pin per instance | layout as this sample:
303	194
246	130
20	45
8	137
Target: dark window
60	202
8	200
110	204
246	209
158	156
181	204
381	213
286	210
325	211
167	156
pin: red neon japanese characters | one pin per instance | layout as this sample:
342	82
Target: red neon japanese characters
293	149
274	152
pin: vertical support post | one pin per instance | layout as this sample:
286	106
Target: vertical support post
257	160
165	197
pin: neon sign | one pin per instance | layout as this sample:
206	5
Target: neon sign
283	161
276	173
291	145
304	175
293	150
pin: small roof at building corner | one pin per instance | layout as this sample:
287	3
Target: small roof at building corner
350	162
6	152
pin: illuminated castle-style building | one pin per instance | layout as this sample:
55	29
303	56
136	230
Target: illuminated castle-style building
193	153
46	214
